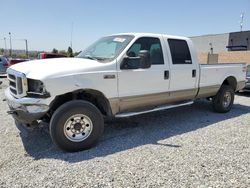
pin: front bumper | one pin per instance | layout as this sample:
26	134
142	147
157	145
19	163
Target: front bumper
25	110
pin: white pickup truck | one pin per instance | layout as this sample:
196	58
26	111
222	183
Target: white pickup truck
118	76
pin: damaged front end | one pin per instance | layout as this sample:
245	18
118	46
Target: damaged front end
25	110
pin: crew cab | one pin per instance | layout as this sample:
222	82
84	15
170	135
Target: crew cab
118	76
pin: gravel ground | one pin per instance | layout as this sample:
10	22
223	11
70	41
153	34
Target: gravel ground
184	147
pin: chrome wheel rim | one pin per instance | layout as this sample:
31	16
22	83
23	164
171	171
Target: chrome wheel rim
78	127
227	99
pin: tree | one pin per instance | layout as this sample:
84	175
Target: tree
70	52
33	55
22	56
55	51
2	51
63	52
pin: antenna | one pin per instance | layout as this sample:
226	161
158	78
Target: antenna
241	21
71	33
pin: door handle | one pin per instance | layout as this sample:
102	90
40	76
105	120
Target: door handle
193	73
166	74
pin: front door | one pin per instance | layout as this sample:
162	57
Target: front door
141	88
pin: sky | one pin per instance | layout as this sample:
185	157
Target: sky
48	24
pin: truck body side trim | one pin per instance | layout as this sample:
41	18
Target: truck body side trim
164	107
142	102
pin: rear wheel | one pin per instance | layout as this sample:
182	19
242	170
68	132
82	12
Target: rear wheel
223	100
76	125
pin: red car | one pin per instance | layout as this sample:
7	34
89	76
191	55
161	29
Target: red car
50	55
15	61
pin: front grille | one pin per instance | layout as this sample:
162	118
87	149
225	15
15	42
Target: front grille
12	77
12	83
17	83
13	91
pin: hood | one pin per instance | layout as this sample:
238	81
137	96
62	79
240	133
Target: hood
45	68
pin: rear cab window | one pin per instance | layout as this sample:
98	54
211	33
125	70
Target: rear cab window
180	52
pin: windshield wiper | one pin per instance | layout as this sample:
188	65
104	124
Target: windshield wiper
90	57
94	58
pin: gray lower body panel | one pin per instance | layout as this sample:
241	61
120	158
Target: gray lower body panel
143	102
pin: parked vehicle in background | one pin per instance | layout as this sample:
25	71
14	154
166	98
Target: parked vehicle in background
3	64
247	87
118	76
15	61
45	55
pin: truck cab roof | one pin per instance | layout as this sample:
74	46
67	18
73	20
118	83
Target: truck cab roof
152	35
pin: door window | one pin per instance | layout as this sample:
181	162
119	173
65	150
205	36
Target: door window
153	45
179	51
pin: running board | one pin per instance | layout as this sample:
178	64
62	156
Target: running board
165	107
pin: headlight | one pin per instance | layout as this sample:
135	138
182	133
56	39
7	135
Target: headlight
36	88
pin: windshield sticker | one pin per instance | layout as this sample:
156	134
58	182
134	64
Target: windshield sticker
117	39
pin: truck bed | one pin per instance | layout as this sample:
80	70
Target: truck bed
213	75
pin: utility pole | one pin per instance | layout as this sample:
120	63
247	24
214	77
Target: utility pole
5	46
26	45
241	21
10	45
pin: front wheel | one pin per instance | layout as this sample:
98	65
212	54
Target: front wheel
76	125
223	100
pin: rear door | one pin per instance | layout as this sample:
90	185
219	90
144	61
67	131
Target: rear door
183	70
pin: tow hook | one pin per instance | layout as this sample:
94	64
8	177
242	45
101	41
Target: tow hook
12	112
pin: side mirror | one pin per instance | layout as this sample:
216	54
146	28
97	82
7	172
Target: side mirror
145	59
142	61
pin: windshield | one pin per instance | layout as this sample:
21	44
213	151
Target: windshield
107	48
248	71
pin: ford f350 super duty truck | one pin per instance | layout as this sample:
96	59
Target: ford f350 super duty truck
118	76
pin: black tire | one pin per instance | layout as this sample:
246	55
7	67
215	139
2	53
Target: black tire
222	103
62	115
